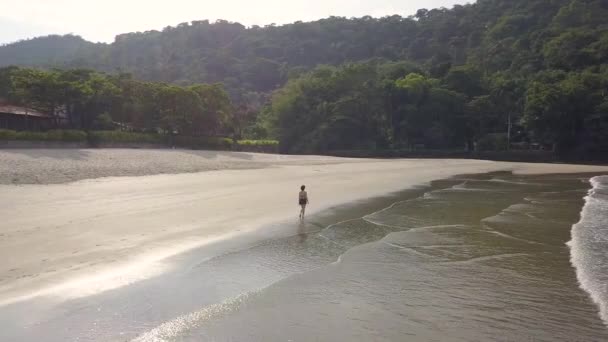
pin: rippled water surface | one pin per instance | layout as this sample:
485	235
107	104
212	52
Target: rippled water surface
469	259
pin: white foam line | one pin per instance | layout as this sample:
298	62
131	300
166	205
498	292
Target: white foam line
413	250
485	258
579	259
409	249
507	236
332	241
446	246
394	245
463	187
341	222
460	186
366	219
419	229
423	196
382	224
532	201
498	180
389	207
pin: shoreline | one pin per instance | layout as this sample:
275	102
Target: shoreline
129	225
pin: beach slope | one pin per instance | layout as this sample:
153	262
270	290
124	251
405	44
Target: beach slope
67	232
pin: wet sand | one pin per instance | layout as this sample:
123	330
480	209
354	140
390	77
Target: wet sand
78	239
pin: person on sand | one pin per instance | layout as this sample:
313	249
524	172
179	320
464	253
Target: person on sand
303	201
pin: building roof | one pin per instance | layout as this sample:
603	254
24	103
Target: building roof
16	110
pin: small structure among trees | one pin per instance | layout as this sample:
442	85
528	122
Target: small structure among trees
23	118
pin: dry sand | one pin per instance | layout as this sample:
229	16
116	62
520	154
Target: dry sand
79	238
52	166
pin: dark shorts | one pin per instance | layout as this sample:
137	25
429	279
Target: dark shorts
302	202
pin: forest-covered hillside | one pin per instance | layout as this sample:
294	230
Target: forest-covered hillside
516	35
443	78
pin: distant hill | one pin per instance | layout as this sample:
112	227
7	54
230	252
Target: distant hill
485	74
500	34
53	50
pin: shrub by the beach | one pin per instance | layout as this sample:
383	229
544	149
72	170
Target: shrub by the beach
104	122
74	135
7	134
69	135
54	135
31	136
211	143
493	142
121	137
258	143
269	146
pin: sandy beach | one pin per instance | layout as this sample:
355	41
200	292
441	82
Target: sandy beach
54	236
81	222
53	166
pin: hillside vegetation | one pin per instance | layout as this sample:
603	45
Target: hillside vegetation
485	75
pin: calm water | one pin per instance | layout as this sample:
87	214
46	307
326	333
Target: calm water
469	259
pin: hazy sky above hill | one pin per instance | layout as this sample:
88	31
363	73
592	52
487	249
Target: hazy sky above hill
101	20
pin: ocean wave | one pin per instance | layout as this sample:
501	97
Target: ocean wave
465	187
443	226
486	258
385	225
505	181
589	243
490	230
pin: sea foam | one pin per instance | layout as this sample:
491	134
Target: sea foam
589	244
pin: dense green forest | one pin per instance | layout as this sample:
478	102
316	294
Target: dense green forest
495	74
93	100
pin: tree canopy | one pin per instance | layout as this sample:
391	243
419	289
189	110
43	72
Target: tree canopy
93	100
487	73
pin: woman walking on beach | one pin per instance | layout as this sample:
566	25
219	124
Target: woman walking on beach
303	201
